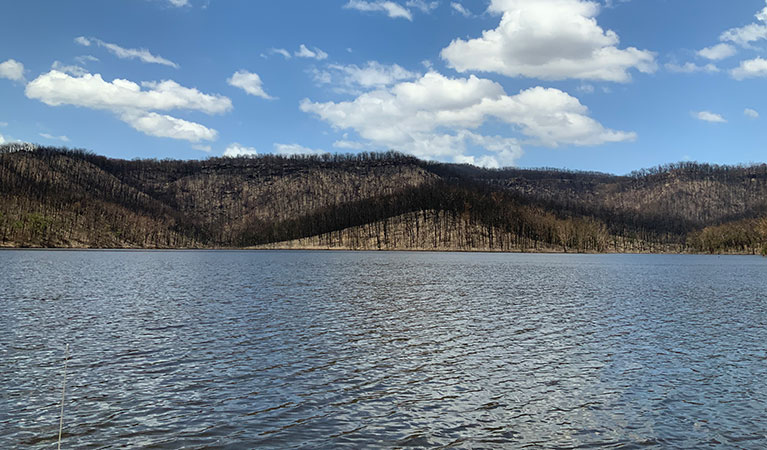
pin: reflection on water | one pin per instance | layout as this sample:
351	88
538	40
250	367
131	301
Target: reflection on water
336	349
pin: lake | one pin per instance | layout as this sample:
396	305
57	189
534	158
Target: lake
199	349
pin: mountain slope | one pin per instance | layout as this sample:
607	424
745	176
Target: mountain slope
63	198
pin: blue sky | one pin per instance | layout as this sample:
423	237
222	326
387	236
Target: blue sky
609	86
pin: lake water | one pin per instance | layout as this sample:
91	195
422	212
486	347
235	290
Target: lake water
196	349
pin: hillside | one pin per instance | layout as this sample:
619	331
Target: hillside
65	198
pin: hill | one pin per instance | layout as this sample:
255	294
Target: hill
55	197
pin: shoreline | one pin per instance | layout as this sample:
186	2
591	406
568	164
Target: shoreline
324	249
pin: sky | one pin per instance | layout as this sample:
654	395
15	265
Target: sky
609	85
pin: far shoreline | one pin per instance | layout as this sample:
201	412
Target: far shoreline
353	250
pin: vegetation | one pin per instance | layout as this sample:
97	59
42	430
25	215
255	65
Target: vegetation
53	197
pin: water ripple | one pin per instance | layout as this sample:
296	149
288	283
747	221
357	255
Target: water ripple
393	350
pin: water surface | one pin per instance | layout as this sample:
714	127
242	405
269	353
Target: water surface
396	350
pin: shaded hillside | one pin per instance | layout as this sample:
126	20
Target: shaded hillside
63	198
677	197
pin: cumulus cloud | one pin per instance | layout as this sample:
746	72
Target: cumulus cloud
12	70
436	117
708	116
250	83
179	3
505	151
717	52
393	10
133	103
236	150
304	52
752	68
691	68
551	40
54	138
2	139
295	149
126	53
352	78
751	113
92	91
744	36
161	125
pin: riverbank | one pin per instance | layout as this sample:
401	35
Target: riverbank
319	248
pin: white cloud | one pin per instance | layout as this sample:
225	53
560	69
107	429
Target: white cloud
322	76
422	5
304	52
708	116
752	68
691	68
132	103
2	139
745	35
91	91
352	78
611	3
349	145
72	70
280	51
762	14
82	40
236	150
250	83
460	9
436	117
717	52
161	125
751	113
3	124
54	138
551	40
12	70
295	149
85	59
393	10
179	3
127	53
506	151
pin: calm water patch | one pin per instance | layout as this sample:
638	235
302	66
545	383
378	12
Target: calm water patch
395	350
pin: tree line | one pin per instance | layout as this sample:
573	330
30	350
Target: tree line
53	197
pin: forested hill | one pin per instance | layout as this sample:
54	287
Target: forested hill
69	198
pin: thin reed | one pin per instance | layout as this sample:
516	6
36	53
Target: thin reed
63	395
